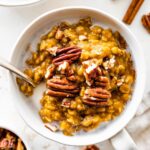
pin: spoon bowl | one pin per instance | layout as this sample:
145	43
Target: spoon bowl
10	67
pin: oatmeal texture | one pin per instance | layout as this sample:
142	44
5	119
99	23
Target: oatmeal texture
89	75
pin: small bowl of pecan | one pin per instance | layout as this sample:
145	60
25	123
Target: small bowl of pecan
89	75
9	139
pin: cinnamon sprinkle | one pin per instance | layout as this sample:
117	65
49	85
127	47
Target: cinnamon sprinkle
132	11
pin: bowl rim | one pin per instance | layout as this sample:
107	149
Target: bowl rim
9	4
6	127
115	131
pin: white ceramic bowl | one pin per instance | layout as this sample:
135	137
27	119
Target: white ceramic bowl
29	107
9	128
17	2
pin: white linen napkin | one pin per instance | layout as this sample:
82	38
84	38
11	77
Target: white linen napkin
139	126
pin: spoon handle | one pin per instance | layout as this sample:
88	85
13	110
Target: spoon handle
5	64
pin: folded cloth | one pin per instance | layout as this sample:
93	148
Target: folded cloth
139	126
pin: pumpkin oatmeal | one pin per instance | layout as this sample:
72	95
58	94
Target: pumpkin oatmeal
89	75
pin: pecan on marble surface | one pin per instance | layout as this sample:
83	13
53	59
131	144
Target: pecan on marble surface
69	54
146	21
96	96
90	147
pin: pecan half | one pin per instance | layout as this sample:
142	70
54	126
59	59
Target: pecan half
88	102
58	94
60	84
90	147
96	96
146	21
61	88
68	54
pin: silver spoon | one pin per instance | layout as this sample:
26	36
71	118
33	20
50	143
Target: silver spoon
10	67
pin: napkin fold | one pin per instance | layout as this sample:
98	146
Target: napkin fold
139	126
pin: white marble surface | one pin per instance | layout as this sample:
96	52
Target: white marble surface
14	20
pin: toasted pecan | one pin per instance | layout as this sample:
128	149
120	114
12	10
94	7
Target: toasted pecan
68	54
93	103
62	87
96	96
57	84
90	147
98	92
146	21
58	93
